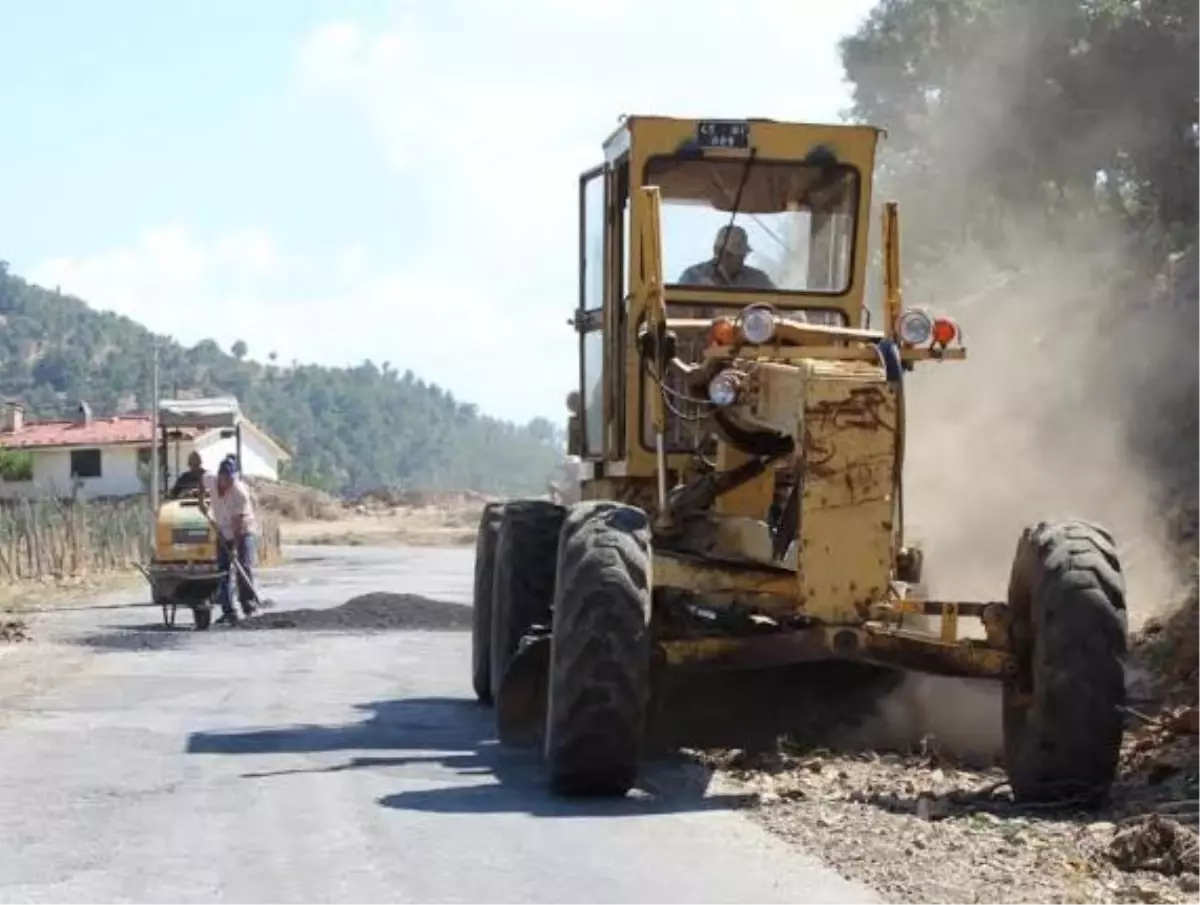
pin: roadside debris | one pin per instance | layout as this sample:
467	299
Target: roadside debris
1162	747
1157	843
13	630
919	828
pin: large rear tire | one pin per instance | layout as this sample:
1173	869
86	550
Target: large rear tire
1063	710
600	651
481	614
524	576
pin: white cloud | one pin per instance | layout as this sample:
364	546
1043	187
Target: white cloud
493	117
175	282
250	253
499	113
165	263
351	262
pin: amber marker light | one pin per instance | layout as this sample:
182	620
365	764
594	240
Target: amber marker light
723	332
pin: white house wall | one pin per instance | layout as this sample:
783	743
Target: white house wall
52	475
119	468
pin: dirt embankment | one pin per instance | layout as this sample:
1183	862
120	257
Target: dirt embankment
436	526
378	518
921	827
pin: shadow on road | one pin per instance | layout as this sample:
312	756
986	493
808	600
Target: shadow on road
66	608
150	636
458	735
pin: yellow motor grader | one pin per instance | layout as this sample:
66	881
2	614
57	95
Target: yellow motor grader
742	428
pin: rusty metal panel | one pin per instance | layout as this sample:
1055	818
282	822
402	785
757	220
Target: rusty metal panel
847	460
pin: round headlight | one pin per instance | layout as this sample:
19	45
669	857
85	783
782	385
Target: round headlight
758	324
914	327
723	389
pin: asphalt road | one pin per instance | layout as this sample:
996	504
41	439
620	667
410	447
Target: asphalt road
144	765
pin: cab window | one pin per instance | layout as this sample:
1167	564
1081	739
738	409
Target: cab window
799	219
589	318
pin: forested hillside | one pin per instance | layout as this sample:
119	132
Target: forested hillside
349	429
1046	110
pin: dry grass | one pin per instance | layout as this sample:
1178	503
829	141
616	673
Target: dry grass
56	552
295	501
57	539
439	525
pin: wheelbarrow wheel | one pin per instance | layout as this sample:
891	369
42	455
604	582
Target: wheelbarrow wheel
202	617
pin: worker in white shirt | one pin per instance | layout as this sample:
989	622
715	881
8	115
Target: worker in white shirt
229	502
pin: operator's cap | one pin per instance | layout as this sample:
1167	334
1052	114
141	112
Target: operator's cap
738	242
227	467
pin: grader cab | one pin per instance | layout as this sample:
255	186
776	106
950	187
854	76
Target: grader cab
741	426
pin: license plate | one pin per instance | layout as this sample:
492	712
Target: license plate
189	536
723	134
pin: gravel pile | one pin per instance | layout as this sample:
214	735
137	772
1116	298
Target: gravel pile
379	611
920	829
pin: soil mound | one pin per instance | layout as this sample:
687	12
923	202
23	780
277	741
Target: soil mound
377	611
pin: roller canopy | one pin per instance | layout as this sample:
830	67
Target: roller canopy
212	412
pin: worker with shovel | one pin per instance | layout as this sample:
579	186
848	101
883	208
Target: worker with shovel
232	511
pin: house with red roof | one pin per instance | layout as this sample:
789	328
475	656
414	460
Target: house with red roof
107	457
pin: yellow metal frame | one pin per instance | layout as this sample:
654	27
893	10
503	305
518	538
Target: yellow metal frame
638	140
841	598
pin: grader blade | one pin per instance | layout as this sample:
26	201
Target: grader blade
521	700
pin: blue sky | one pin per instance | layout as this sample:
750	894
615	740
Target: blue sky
342	181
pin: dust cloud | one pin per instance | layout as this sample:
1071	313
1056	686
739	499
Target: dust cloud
1078	368
1036	424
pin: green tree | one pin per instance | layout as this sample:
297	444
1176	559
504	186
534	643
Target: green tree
993	106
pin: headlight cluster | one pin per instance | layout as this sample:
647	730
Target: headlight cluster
758	324
755	324
916	328
725	388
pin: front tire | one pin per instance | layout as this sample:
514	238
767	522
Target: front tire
1063	710
600	651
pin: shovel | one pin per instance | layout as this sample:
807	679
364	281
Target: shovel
237	564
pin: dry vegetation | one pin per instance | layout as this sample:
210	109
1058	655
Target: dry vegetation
414	518
920	827
60	539
55	550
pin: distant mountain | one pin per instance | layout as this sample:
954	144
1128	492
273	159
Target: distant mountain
349	429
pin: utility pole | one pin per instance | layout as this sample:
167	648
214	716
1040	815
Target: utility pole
154	441
178	464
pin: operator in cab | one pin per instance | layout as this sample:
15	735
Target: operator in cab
727	266
232	508
189	481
